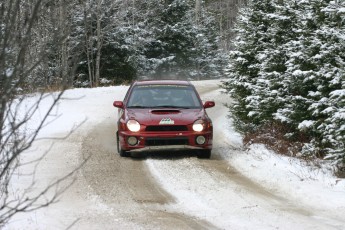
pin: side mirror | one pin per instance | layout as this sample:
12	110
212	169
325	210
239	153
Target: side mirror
209	104
118	104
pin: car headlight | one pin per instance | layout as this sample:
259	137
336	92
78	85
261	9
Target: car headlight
198	125
133	125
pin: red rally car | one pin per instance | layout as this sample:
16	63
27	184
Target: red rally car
163	115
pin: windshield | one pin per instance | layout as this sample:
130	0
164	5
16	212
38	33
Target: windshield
163	96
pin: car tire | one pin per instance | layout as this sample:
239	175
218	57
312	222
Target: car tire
122	152
204	154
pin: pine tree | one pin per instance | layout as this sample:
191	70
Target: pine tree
288	68
328	101
246	81
182	47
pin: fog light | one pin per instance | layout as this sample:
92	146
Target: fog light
200	140
132	140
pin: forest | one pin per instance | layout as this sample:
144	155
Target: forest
105	42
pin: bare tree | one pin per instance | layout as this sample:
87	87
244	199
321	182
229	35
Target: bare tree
100	13
63	31
197	11
227	13
99	35
20	58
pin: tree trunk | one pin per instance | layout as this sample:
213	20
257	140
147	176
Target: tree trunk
197	11
88	46
64	55
99	42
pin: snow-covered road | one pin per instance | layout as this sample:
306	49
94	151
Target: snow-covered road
236	189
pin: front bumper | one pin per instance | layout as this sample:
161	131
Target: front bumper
164	141
165	148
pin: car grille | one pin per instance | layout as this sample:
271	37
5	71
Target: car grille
166	141
166	128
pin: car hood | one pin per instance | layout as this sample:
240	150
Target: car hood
165	116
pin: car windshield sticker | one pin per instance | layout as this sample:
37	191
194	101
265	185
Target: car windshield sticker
166	121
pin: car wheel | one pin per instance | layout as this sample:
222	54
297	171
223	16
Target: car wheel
122	152
204	154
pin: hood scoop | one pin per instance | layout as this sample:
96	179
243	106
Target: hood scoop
165	111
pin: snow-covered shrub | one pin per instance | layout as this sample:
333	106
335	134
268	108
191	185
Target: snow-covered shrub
287	68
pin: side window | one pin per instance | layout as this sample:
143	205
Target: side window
134	97
194	97
127	94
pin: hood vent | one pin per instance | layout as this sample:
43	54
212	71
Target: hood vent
165	111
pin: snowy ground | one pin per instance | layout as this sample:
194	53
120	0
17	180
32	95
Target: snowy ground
238	188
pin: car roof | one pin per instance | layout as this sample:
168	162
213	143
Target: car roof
162	82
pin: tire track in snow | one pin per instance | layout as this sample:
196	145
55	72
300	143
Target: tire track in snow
195	179
127	186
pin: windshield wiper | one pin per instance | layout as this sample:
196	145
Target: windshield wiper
137	107
165	106
171	106
185	107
